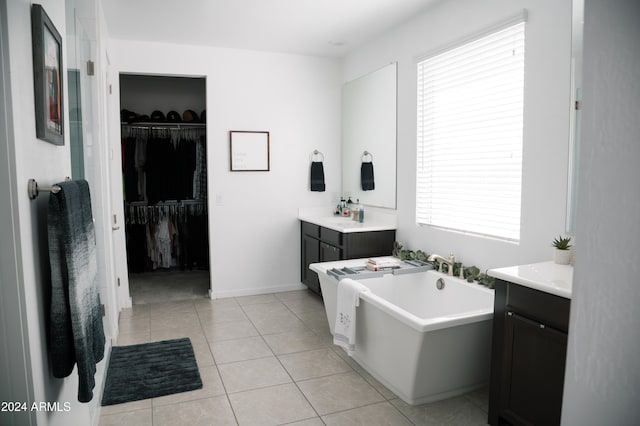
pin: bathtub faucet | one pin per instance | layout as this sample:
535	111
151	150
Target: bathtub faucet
451	260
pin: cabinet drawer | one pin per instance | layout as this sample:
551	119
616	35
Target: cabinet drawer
330	236
329	253
310	229
547	308
368	244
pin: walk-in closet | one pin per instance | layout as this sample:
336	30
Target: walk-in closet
164	175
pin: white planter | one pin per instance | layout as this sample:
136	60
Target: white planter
562	257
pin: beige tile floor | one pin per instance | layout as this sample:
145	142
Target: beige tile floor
269	360
168	285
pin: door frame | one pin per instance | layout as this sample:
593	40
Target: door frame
15	360
117	194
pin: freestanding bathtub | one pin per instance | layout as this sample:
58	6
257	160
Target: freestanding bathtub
423	343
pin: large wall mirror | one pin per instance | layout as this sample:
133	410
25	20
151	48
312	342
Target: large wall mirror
575	105
369	136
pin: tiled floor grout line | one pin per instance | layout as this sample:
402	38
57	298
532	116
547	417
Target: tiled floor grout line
369	405
302	420
384	399
215	364
295	383
333	348
284	368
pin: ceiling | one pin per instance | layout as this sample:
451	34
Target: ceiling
328	28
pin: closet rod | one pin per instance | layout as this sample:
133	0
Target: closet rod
163	126
164	203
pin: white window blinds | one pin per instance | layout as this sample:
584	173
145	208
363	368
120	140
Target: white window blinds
469	136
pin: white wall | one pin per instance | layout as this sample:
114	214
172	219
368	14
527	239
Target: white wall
30	157
145	94
254	232
546	121
602	381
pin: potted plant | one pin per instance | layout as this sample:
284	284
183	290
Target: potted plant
562	254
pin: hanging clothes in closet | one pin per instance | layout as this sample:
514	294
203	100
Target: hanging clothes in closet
166	236
165	197
162	164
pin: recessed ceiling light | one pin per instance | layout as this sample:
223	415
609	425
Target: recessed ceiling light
337	43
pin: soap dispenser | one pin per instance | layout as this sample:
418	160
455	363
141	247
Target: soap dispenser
355	211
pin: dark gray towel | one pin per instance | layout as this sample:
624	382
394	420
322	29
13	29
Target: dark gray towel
366	177
317	176
77	333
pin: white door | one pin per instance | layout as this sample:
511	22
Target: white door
89	150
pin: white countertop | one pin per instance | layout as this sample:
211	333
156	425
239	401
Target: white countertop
545	276
373	221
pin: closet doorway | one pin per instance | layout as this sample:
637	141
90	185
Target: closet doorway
164	166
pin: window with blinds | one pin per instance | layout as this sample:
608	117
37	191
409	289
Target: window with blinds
469	135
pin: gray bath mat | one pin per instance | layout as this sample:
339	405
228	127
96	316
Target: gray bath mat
149	370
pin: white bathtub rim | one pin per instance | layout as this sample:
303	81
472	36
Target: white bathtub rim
417	323
426	324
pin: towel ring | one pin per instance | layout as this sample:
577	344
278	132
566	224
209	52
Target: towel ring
367	154
316	153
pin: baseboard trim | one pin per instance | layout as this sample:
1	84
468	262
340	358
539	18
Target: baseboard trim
255	291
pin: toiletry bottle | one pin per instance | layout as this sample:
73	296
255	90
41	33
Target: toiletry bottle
360	212
344	211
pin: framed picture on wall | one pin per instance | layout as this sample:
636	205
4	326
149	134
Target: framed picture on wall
248	151
47	76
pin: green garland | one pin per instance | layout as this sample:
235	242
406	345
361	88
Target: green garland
471	273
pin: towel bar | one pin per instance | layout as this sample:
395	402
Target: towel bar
33	189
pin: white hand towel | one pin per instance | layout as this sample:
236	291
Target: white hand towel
344	333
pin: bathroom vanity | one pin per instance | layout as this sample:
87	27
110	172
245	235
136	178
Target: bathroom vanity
530	325
326	239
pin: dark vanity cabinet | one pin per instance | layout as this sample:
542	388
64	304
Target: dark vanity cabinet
320	244
528	356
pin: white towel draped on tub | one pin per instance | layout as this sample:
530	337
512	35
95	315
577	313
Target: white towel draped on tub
349	292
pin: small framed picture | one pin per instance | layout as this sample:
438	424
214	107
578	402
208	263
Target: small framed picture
47	75
248	151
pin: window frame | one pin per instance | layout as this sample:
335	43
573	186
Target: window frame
423	209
